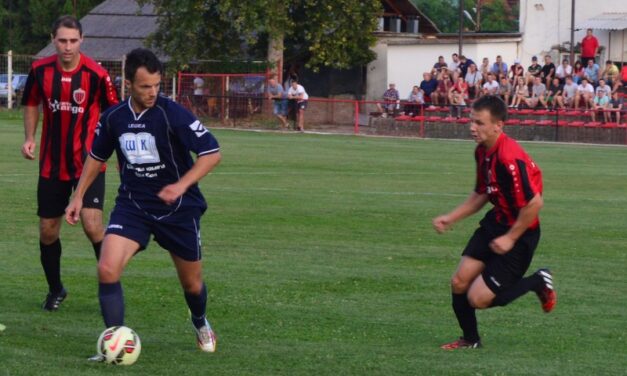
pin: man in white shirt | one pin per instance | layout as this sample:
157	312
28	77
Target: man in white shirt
568	94
491	87
538	91
298	95
585	92
454	65
563	70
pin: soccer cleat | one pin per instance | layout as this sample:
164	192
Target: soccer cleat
461	343
53	301
206	338
98	358
546	294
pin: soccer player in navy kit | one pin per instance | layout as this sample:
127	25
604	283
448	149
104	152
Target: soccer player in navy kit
73	90
158	195
500	251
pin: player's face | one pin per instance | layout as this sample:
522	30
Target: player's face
67	42
144	89
484	130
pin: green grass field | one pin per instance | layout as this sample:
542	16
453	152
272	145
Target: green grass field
320	259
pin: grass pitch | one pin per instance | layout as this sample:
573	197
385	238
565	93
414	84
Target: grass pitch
320	259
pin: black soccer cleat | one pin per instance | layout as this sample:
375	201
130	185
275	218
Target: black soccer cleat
546	293
53	301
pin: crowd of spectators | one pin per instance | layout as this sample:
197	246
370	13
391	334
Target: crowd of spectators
587	85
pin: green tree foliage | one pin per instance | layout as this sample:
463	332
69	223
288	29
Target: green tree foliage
486	15
334	33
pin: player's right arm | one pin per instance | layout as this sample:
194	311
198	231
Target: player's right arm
91	169
473	204
31	118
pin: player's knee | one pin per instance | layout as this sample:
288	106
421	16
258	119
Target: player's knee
108	273
192	286
459	285
48	234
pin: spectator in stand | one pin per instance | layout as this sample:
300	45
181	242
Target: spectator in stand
569	92
391	99
473	78
457	95
563	70
534	70
499	68
554	93
505	90
611	75
591	72
623	75
521	93
616	106
440	64
298	94
428	85
491	87
485	68
440	96
589	47
453	66
415	101
604	87
600	105
578	72
464	65
548	70
538	93
516	71
585	93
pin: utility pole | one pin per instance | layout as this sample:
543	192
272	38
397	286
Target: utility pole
572	34
461	26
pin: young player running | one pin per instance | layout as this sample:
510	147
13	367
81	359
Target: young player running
500	251
158	195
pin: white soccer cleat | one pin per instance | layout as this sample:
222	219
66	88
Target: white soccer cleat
206	338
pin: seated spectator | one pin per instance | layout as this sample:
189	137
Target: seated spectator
521	93
440	96
585	93
516	71
499	68
554	93
491	87
610	73
569	92
534	70
548	70
415	101
464	65
485	67
457	95
578	72
453	66
440	63
616	106
538	92
591	72
505	89
563	70
604	87
473	78
391	98
428	85
599	105
623	75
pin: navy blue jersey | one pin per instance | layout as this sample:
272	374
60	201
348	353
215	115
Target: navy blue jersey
153	150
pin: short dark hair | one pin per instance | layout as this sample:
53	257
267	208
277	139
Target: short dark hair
69	22
141	57
608	62
494	104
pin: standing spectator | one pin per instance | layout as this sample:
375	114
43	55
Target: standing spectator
589	48
554	93
473	79
298	94
563	70
390	98
599	105
569	92
538	92
440	96
491	87
465	64
279	101
591	72
505	90
485	68
199	91
521	93
415	101
534	70
585	93
72	89
499	68
616	106
548	70
454	65
428	85
578	72
440	63
516	70
458	93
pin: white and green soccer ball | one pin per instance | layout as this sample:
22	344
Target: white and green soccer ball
119	345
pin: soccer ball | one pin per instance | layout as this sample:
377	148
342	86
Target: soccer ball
119	345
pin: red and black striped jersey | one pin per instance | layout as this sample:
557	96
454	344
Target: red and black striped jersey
72	102
510	178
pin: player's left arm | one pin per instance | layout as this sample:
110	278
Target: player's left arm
203	165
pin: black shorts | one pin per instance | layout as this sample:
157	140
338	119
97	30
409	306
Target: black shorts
502	271
53	195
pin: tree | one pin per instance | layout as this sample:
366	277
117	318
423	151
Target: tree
333	33
482	15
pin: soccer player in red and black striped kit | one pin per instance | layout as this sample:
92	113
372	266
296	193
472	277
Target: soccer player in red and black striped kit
73	89
499	253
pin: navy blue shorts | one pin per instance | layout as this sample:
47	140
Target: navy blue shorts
178	233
